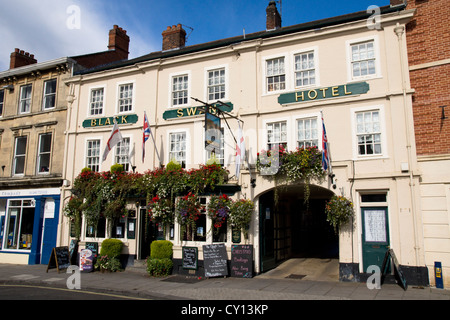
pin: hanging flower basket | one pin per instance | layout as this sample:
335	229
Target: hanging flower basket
241	214
339	210
188	211
160	210
218	210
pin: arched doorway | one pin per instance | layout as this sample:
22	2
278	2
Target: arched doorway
293	228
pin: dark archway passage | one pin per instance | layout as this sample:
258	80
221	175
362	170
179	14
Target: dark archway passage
291	228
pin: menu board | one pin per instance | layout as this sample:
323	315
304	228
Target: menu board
215	260
242	261
375	225
190	258
59	258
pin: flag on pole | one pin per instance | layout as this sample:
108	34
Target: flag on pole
146	135
325	152
240	151
114	139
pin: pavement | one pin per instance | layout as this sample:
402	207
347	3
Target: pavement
135	282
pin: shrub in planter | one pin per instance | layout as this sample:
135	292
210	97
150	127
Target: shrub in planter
111	248
159	267
161	249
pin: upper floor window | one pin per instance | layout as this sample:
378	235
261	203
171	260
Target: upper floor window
307	133
20	151
368	131
2	101
177	148
363	59
96	102
126	97
49	100
122	153
275	75
276	134
25	99
180	90
93	155
216	84
305	69
44	153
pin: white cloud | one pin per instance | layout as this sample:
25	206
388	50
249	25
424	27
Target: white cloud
52	29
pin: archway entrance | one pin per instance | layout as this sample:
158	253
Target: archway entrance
291	228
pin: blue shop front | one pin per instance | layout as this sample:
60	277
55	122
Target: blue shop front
29	225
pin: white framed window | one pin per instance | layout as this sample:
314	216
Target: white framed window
307	133
369	132
180	90
93	154
49	100
20	152
25	99
178	147
96	101
125	97
276	134
363	58
275	75
305	69
216	84
44	153
122	153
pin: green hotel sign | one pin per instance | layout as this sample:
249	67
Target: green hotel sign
194	111
109	121
324	93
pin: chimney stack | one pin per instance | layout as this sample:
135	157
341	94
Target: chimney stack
20	58
173	38
397	2
273	18
119	41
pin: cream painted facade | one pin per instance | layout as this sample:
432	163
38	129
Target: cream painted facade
385	180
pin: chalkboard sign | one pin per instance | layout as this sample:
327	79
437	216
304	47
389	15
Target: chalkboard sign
215	260
241	261
59	259
93	246
190	258
397	269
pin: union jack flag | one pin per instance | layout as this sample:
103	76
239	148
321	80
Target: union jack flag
325	154
146	135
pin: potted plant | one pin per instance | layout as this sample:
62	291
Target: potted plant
339	210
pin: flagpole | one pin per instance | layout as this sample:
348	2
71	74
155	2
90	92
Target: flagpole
156	148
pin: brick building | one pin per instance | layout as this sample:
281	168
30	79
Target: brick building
33	114
428	42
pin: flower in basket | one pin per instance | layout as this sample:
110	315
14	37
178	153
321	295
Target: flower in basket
241	214
218	210
188	210
339	210
160	210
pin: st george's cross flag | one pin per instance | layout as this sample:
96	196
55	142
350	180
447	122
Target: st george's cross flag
146	135
240	151
325	152
114	139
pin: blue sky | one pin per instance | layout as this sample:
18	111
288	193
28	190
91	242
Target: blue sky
51	29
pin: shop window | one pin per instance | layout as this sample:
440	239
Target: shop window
118	228
49	100
199	234
18	226
98	231
177	148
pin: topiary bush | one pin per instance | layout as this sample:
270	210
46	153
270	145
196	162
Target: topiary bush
161	249
111	248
